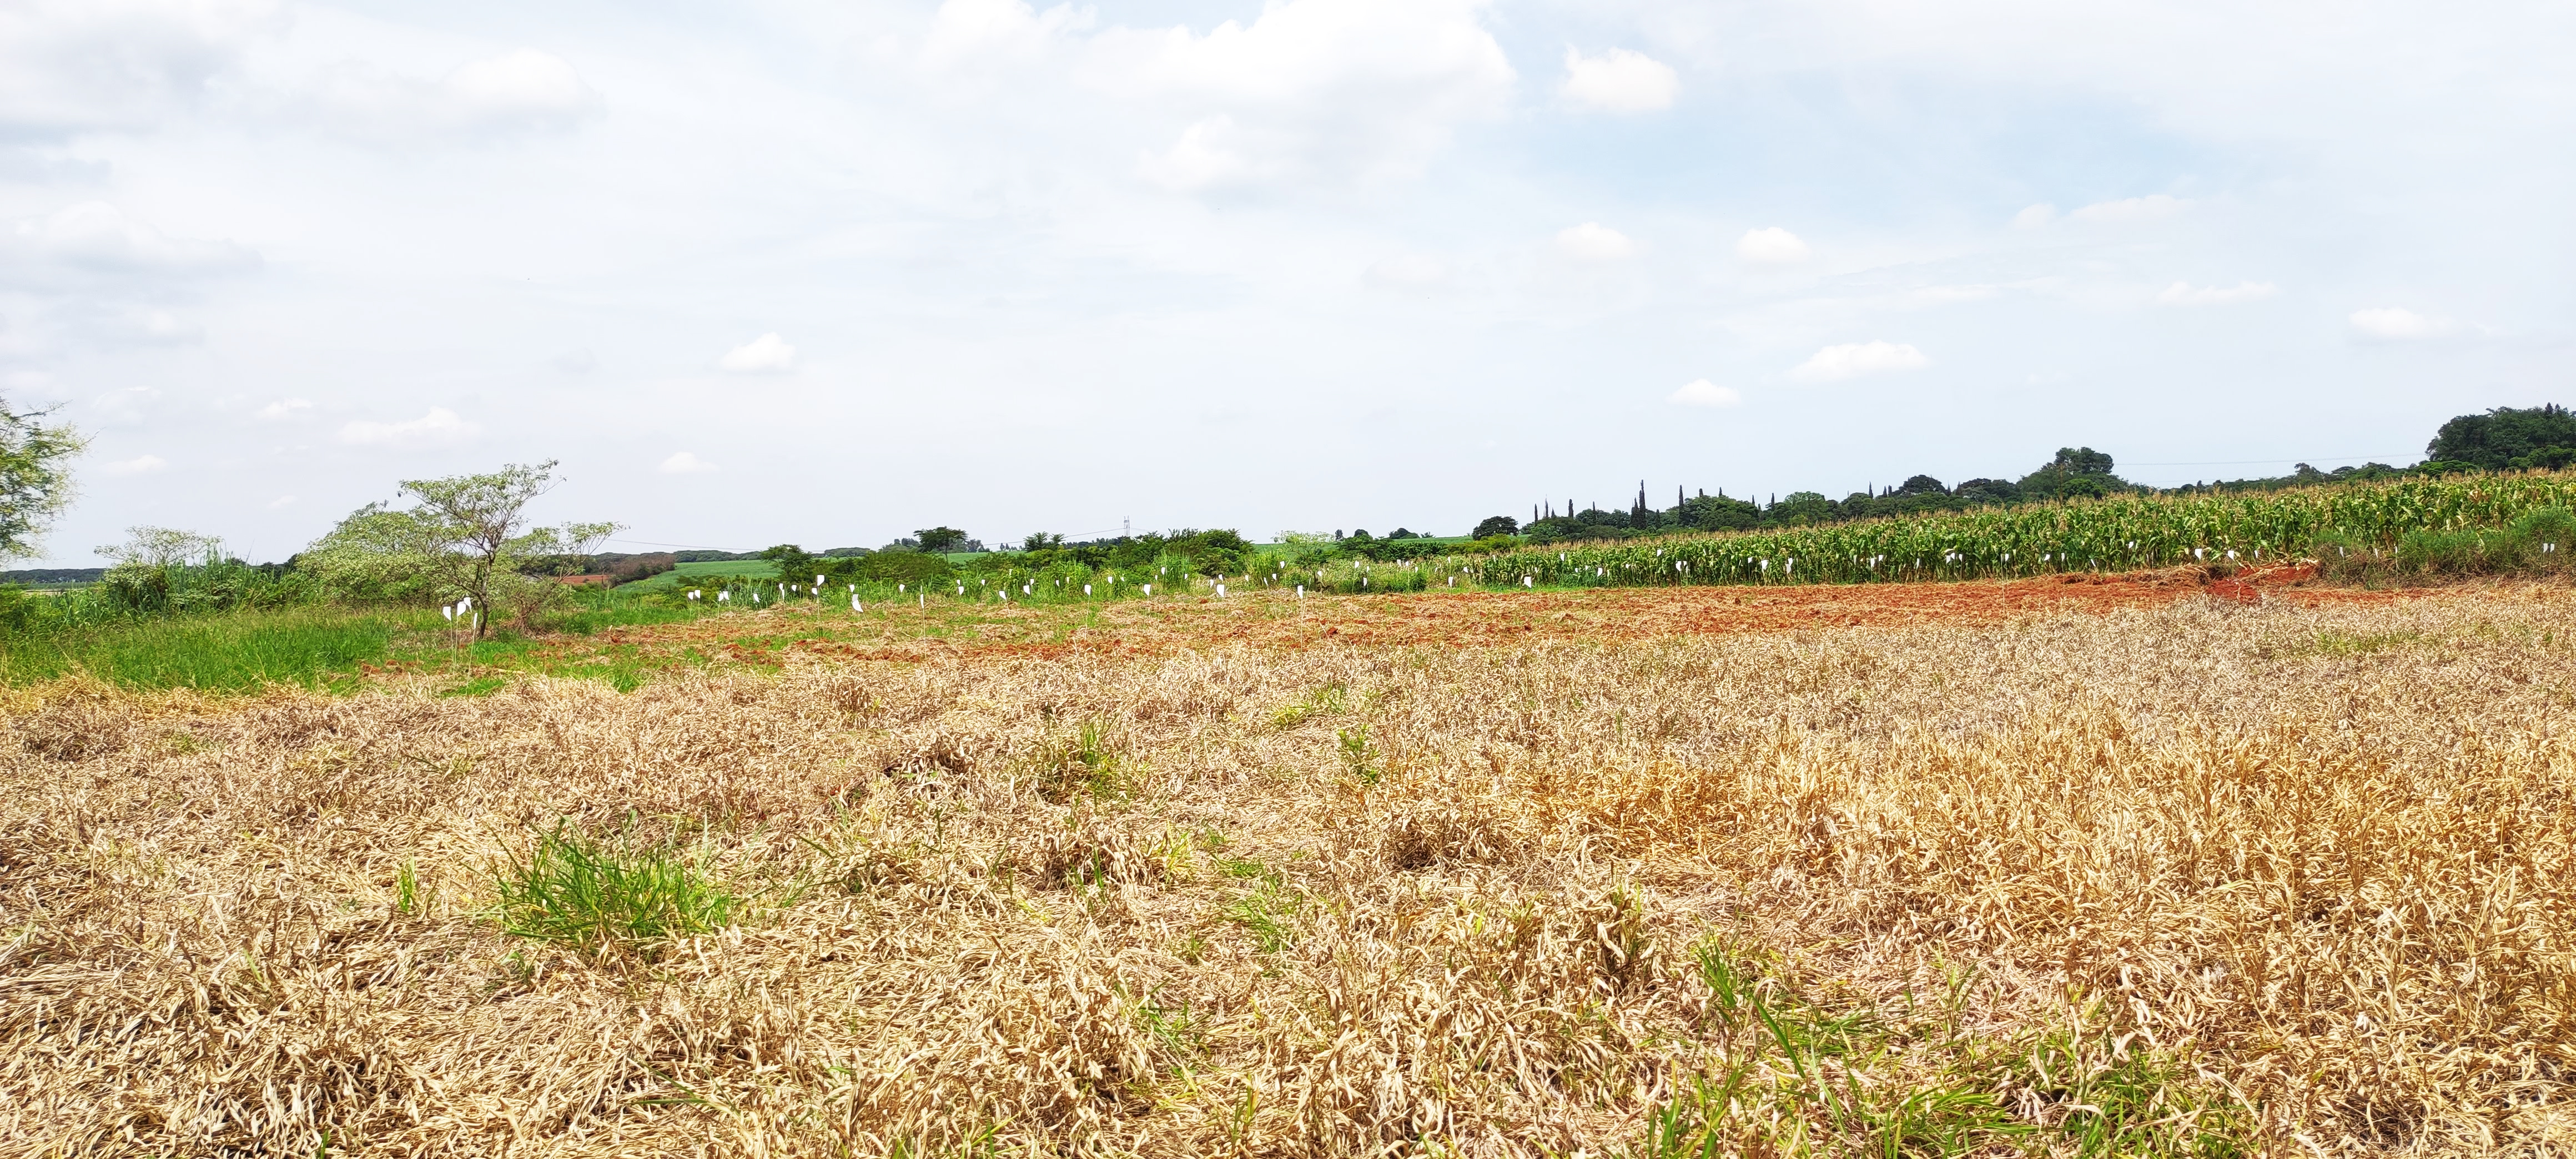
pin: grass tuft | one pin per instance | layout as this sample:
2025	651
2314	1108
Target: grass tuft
602	896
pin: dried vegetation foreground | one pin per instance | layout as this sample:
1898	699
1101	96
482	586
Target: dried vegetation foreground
2192	879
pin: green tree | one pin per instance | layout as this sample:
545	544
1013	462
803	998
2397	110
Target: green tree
1494	525
1801	508
795	564
2507	438
463	536
940	540
35	477
1719	513
2076	473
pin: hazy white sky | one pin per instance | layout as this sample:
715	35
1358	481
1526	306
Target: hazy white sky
830	272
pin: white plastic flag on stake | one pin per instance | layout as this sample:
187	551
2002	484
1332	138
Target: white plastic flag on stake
856	606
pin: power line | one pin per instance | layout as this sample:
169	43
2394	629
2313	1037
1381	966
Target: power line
2261	462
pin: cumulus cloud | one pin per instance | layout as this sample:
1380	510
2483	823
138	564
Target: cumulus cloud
144	465
1310	90
2039	216
767	354
2393	324
1619	81
1594	242
2130	210
685	463
1702	392
1409	270
440	425
285	408
1857	359
522	90
2186	294
97	238
1771	247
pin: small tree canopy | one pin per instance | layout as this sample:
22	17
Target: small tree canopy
1494	525
940	540
35	480
464	536
164	547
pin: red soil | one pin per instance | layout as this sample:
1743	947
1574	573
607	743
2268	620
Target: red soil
1464	619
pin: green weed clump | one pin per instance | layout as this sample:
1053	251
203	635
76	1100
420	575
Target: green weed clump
2535	542
605	896
1789	1079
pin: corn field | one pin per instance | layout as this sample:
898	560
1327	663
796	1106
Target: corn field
2116	534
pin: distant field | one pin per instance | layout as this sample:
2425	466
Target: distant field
689	573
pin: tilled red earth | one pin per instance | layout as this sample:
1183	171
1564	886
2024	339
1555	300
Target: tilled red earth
1465	619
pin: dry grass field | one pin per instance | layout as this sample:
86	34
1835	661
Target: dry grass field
2182	877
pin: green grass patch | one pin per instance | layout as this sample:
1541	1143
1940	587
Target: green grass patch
230	652
602	896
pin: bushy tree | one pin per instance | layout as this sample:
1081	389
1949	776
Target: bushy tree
1718	513
1494	525
2507	438
35	477
940	540
2076	473
462	536
795	564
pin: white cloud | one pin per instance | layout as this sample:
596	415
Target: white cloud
95	237
2130	210
2392	324
767	354
1702	392
1210	155
1594	242
1409	270
684	463
1771	247
2186	294
1855	359
282	501
522	90
69	66
284	408
1619	81
2039	216
968	32
1310	90
440	425
139	466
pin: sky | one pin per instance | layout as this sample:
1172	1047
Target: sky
826	273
